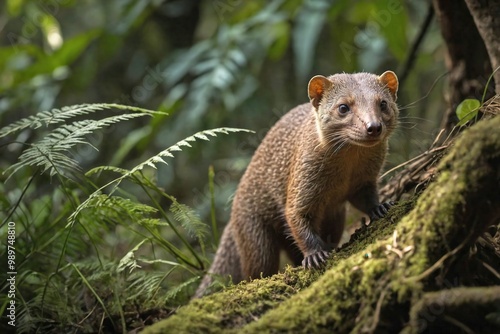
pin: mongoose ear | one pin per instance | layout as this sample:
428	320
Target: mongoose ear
390	80
317	86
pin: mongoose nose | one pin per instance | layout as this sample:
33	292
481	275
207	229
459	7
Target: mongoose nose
374	129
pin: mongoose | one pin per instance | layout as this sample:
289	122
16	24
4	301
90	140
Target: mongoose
317	157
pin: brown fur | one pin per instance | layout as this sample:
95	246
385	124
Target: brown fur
293	194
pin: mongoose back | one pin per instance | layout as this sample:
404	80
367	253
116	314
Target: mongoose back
316	158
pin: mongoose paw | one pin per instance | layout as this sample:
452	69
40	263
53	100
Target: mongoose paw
315	260
381	210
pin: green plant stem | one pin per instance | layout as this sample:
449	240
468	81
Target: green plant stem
488	83
171	198
74	205
178	253
95	294
120	310
215	231
161	281
14	208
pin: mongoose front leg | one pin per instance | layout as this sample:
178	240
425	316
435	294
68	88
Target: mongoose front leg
314	249
380	210
366	200
315	260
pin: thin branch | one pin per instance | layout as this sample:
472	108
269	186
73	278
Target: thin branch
410	61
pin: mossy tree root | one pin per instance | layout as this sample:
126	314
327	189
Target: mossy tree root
467	309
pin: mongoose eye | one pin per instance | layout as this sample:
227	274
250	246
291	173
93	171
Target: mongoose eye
383	106
344	109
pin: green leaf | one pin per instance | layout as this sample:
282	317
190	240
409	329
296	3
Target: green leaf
310	22
392	20
467	110
129	261
45	64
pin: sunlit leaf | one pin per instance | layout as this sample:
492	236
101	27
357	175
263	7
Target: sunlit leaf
306	33
467	110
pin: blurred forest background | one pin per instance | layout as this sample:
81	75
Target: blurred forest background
207	64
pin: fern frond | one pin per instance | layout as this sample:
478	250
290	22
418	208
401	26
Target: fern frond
152	222
55	116
118	209
145	285
99	169
149	162
174	291
190	221
185	142
129	261
94	293
48	153
97	271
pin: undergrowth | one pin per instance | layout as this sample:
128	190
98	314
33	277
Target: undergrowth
96	250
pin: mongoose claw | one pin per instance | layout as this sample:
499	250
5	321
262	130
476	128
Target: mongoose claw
381	210
315	260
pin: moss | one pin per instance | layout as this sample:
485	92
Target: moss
376	281
337	300
245	302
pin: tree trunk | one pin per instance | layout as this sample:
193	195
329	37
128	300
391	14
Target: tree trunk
467	58
486	14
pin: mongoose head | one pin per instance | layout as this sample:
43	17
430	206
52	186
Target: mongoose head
358	109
